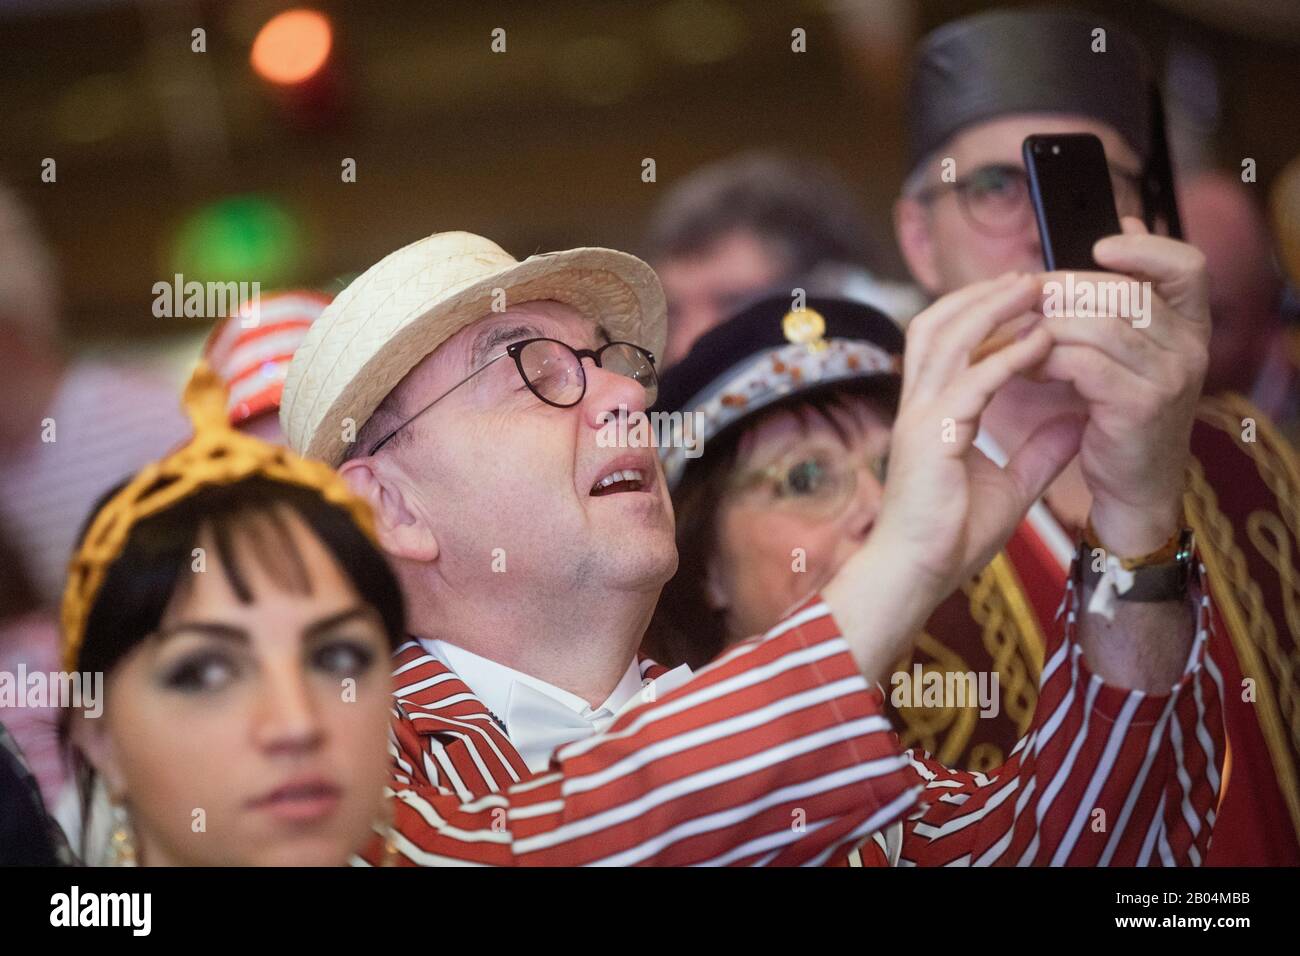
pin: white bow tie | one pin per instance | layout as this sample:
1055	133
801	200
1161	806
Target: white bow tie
538	724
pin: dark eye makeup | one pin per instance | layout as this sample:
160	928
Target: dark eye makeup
343	657
220	654
205	670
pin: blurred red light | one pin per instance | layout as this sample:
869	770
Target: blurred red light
292	46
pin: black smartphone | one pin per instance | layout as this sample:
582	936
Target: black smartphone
1069	185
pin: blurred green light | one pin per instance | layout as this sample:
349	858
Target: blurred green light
241	239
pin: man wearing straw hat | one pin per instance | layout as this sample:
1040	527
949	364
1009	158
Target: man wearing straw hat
462	393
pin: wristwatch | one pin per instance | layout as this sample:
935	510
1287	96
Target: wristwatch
1163	579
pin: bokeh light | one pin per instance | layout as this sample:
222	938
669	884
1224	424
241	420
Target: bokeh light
699	31
598	70
94	109
240	239
292	46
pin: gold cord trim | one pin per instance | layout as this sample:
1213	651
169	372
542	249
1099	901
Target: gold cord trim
1249	624
1011	634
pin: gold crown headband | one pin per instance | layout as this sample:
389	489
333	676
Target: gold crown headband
216	455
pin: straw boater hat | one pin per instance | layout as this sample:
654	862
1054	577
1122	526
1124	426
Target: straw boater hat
411	301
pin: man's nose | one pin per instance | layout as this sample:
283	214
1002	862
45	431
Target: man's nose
610	393
285	717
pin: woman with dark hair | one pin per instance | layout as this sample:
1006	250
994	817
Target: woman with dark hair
793	411
242	619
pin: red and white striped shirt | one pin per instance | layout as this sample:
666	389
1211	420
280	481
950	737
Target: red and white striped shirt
779	753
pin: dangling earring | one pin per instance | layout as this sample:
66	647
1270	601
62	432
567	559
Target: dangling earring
385	828
121	844
390	849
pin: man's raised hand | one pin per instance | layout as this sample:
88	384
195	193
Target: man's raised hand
947	509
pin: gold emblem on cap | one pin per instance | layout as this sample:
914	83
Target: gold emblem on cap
805	327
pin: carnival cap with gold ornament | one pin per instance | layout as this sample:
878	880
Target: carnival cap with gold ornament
215	455
772	350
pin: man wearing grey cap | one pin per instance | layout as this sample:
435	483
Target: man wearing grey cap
980	86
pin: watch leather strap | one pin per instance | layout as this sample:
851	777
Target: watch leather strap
1164	581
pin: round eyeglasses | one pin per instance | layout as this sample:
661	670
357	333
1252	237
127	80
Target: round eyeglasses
995	198
817	484
553	371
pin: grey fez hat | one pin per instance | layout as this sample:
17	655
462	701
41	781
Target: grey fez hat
1026	61
1042	60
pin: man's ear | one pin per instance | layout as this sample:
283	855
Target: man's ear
91	736
402	527
916	242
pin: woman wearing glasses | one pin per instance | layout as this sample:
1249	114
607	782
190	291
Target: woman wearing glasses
795	411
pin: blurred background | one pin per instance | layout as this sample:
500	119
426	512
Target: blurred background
294	145
227	164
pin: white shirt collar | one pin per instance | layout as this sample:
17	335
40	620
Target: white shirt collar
548	726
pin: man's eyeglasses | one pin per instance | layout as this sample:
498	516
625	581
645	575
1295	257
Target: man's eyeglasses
995	198
553	371
817	484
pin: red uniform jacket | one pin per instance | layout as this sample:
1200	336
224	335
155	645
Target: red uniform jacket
780	753
1243	501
